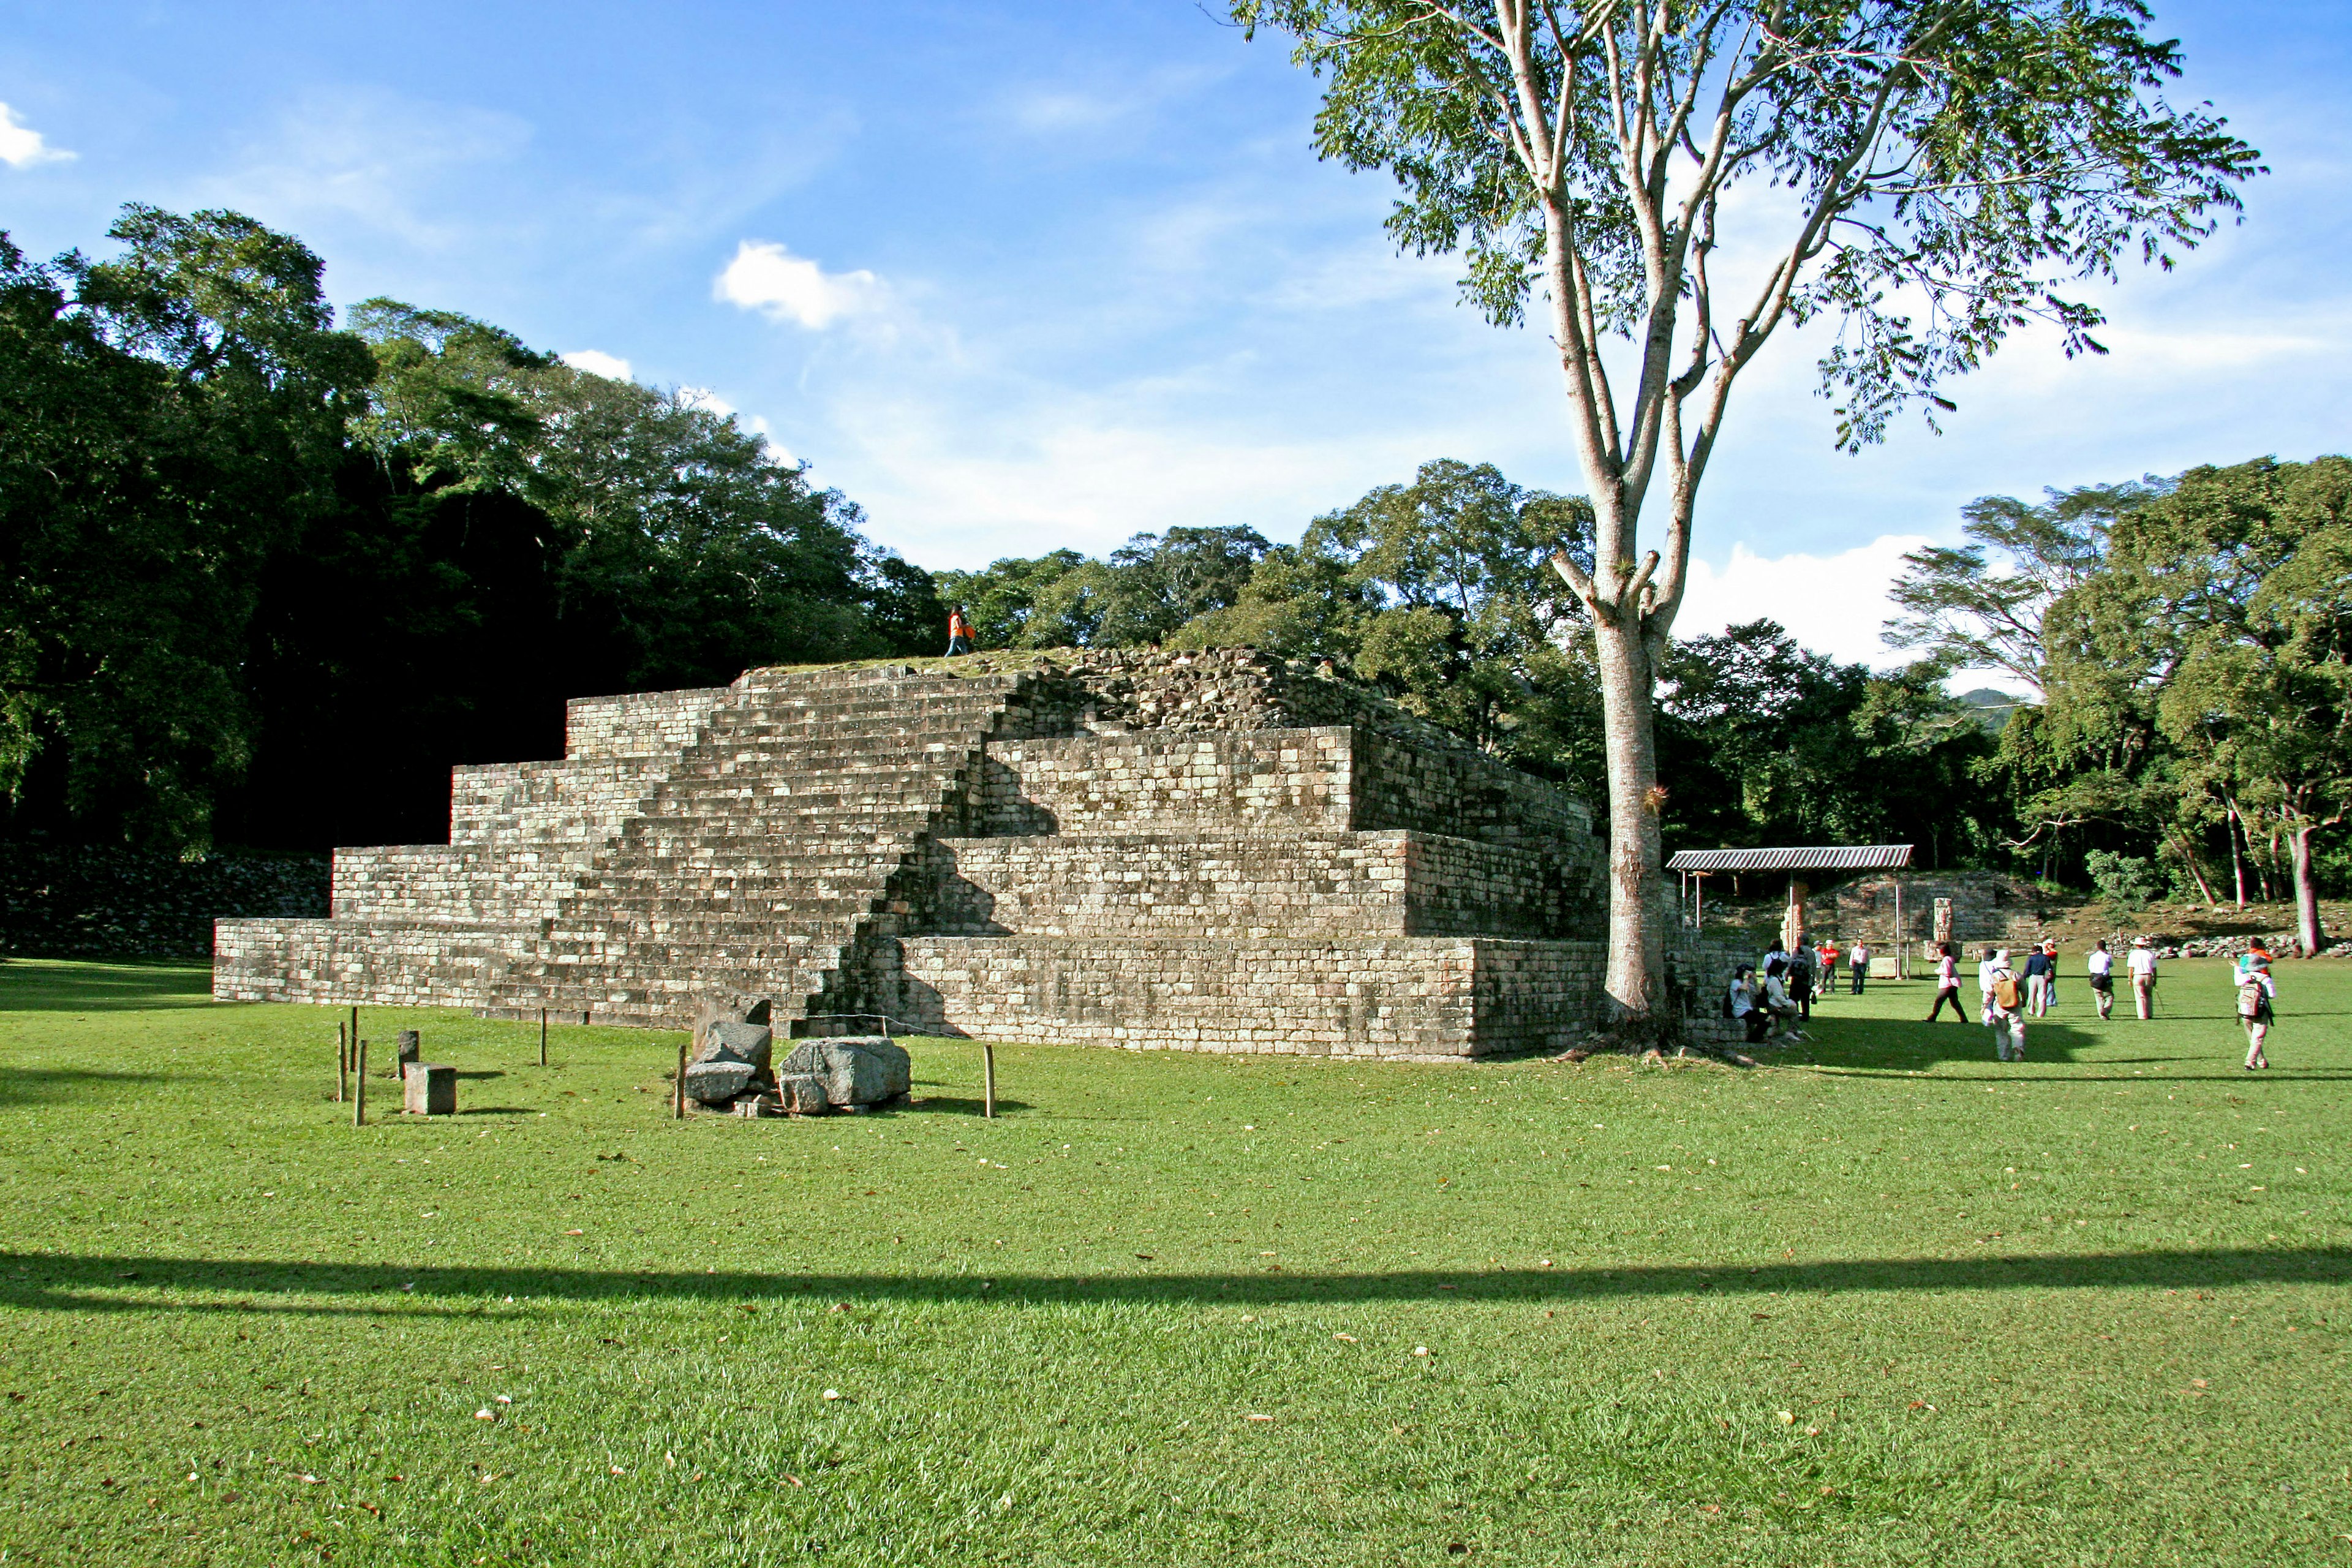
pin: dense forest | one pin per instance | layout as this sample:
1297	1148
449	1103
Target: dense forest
269	574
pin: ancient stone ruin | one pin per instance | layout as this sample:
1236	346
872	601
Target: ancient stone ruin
1216	851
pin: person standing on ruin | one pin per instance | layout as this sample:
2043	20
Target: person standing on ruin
1947	984
2142	963
959	632
2101	968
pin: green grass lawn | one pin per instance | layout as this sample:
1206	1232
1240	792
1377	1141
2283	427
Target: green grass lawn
1882	1302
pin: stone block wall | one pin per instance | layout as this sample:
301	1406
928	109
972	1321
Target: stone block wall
575	801
639	723
1108	783
1986	907
467	884
1429	999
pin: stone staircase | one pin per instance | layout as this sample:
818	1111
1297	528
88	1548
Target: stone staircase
760	857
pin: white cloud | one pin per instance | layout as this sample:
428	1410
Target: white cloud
596	361
1831	603
766	278
21	146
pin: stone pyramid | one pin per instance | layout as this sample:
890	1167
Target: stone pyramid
1214	851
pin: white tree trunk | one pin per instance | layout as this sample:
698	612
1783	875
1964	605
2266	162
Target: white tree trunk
2306	891
1636	933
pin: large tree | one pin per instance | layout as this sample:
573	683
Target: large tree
1928	174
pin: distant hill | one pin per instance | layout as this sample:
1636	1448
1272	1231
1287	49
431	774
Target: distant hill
1992	708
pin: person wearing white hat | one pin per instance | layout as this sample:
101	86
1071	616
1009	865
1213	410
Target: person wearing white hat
2142	963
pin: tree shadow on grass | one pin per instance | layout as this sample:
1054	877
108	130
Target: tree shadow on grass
54	1282
59	986
39	1086
1892	1047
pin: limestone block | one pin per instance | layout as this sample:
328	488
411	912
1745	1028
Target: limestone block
855	1069
717	1082
429	1088
727	1041
412	1049
803	1094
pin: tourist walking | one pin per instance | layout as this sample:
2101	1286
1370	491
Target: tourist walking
2142	964
1828	954
2049	997
2256	992
959	632
2037	982
1947	984
2004	1004
1800	980
1859	959
2101	968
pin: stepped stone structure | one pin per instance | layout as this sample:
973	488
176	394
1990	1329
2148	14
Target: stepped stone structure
1215	851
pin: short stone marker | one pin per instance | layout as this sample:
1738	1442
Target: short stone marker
430	1088
411	1050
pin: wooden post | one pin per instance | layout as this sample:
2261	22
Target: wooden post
342	1065
359	1100
1901	957
677	1089
354	1036
987	1079
543	1036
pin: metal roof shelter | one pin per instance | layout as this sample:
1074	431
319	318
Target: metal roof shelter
1696	865
1821	857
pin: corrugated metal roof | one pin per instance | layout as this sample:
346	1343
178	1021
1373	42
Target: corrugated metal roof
1821	857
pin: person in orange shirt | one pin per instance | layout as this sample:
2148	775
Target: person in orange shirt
959	632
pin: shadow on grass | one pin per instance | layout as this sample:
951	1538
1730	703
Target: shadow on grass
46	1281
950	1105
35	1086
64	985
1866	1047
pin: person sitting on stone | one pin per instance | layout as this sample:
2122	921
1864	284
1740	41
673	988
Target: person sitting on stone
1741	1001
1776	1002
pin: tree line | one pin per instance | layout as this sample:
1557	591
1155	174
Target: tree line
263	577
2191	642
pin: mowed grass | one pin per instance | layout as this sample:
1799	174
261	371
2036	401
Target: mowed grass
1883	1302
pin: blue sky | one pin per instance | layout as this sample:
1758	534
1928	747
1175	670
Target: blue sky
1017	276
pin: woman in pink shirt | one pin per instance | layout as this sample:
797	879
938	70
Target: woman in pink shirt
1948	984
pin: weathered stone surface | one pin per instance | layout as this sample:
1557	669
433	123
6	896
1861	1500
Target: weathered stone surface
429	1088
803	1094
755	1105
715	1083
855	1069
1214	851
724	1040
410	1046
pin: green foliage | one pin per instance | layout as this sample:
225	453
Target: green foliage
1956	166
242	547
2125	882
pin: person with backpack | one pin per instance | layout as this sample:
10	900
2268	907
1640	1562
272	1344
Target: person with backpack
1800	981
2256	992
2004	1004
1947	984
2101	968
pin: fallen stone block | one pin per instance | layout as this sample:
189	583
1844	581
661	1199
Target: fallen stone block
856	1069
715	1083
429	1088
803	1094
725	1040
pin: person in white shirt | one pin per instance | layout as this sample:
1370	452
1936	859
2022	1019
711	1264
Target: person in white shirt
2004	1004
1776	1002
2103	978
1859	959
1948	984
2142	964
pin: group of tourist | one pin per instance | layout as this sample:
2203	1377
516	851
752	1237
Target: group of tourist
1772	997
2008	994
